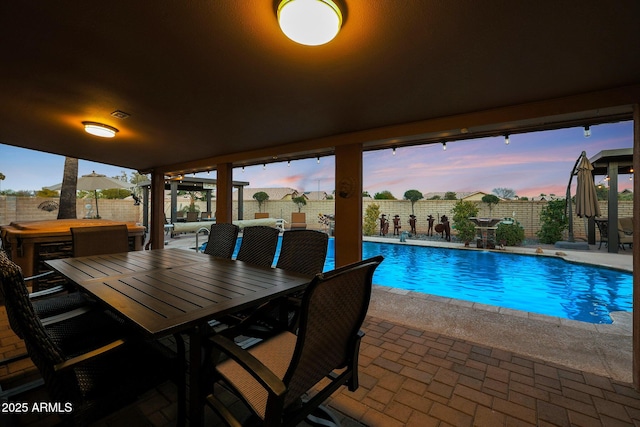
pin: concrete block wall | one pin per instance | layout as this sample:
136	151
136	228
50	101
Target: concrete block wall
526	212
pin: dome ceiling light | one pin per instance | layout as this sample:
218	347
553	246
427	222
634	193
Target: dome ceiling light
99	129
309	22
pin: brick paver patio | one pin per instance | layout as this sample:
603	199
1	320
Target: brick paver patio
412	377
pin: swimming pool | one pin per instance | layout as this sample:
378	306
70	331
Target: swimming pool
537	284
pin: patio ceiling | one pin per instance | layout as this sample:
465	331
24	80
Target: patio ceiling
217	80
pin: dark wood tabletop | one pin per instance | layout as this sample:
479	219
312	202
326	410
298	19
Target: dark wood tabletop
166	291
177	291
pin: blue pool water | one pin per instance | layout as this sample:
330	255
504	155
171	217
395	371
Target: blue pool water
536	284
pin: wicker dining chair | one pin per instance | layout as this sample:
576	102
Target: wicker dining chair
88	360
272	377
100	240
259	244
45	304
222	240
303	251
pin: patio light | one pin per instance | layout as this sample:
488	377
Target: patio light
309	22
587	132
444	146
99	129
506	139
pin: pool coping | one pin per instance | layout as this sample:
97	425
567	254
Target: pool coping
603	349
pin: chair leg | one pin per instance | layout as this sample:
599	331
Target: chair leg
323	416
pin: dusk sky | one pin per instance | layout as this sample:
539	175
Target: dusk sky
531	164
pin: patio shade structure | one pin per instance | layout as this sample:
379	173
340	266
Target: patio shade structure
94	182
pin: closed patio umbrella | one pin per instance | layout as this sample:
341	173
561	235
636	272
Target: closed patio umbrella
586	197
94	182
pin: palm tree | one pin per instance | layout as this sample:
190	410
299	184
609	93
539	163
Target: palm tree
68	191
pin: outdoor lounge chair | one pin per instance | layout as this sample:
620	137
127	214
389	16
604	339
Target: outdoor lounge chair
298	221
85	360
625	231
222	240
273	377
258	245
100	240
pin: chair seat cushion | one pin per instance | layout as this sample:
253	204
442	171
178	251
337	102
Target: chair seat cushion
275	353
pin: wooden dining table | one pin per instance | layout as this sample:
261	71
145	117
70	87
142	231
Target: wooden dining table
167	292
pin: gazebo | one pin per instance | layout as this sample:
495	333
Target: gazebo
206	185
611	163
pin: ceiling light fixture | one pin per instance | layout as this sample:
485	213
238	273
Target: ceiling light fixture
587	132
506	139
444	146
394	151
318	159
309	22
99	129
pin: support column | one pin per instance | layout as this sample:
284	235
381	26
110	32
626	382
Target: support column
348	204
612	215
157	211
224	192
636	247
174	201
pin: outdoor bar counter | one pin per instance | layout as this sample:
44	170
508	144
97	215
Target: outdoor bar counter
30	243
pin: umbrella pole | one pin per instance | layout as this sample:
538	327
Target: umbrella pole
568	207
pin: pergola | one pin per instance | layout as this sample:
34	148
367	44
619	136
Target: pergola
204	185
612	163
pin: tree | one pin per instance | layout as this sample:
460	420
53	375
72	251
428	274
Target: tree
413	196
365	194
504	193
114	193
260	197
370	219
490	199
300	201
450	195
2	178
435	197
553	222
462	211
384	195
45	192
67	208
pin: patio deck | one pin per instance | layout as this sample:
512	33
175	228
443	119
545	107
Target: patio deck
428	361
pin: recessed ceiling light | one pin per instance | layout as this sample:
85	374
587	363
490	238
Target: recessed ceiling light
100	129
309	22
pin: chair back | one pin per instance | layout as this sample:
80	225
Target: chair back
258	245
100	240
23	319
222	240
14	292
333	310
303	251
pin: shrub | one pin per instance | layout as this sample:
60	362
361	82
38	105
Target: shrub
370	219
462	211
511	234
552	222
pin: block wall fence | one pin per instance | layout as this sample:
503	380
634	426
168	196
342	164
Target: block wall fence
526	212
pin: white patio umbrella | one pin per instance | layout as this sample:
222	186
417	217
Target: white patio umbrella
94	182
